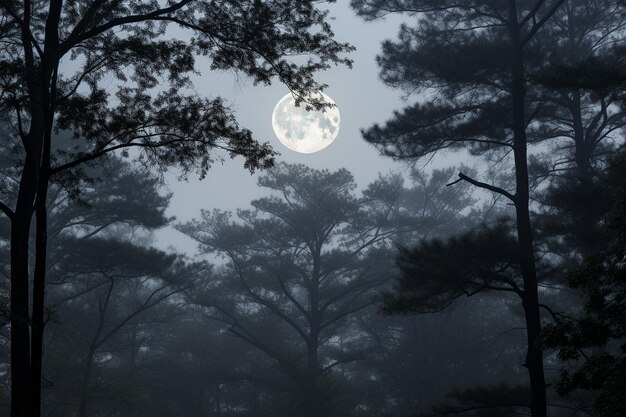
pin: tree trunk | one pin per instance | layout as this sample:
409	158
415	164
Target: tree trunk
583	152
530	298
39	287
20	332
38	310
20	320
84	386
312	350
315	316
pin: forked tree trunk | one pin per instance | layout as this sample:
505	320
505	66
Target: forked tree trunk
27	330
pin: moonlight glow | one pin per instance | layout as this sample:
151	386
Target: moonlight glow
305	131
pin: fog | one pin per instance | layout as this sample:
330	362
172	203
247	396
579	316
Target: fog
458	250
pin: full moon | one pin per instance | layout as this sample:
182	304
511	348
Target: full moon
305	131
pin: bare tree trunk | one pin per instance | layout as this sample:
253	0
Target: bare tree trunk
37	326
530	298
20	332
39	276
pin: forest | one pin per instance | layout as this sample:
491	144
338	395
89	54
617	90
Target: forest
489	284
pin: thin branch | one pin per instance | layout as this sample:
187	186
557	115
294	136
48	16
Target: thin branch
146	306
343	314
72	41
97	154
272	307
6	210
541	22
531	14
25	27
290	296
80	293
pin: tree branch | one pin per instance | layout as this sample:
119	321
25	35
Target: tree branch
531	14
6	210
272	307
493	188
24	26
77	38
541	22
291	298
97	154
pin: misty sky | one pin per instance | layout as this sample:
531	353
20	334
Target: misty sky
362	100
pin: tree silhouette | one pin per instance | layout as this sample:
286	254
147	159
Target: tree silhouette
471	59
584	40
152	109
583	122
144	277
304	262
309	257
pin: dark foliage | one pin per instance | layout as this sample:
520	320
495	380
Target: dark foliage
436	273
595	342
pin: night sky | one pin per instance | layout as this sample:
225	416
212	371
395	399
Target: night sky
362	100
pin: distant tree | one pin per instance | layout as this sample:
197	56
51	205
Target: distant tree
152	108
414	361
583	123
426	208
205	371
110	293
600	67
308	259
91	226
602	74
309	256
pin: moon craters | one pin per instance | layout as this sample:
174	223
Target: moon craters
305	131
